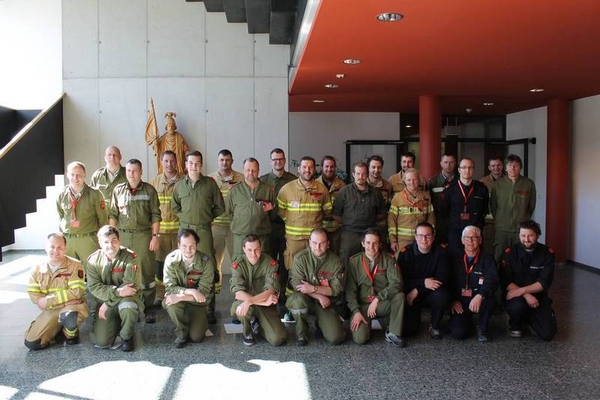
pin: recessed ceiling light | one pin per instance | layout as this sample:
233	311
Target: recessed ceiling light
537	90
389	17
488	104
318	101
408	126
332	86
351	61
340	76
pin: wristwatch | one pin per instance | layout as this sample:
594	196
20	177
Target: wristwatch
156	234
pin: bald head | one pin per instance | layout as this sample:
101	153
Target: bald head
112	156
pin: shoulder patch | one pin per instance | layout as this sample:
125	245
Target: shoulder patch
134	268
234	265
102	205
550	250
204	258
273	263
392	256
403	250
80	274
443	245
507	250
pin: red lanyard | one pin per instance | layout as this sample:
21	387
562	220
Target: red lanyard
74	204
366	268
412	203
466	196
467	269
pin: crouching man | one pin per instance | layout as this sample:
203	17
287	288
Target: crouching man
188	277
115	280
57	287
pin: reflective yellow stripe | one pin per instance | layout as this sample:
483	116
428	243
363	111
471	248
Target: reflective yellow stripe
76	284
297	230
406	232
169	225
164	199
71	332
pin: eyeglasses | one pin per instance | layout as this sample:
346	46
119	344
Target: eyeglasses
471	238
421	236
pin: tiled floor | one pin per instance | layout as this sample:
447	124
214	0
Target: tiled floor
222	368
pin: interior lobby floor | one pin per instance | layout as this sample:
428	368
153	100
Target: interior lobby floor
221	367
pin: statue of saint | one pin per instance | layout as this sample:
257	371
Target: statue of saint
170	140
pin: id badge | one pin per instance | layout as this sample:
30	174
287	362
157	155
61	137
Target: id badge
323	282
480	281
466	292
74	223
465	216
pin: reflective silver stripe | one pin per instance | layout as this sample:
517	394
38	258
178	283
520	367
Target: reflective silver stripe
151	285
438	189
127	304
300	311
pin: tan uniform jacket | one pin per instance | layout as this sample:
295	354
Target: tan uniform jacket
65	286
225	184
329	224
164	189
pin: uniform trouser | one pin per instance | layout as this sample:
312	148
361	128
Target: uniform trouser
393	308
350	246
120	320
293	247
382	225
329	321
46	326
270	326
460	324
441	232
222	240
277	243
436	299
139	242
167	243
489	235
502	240
80	248
335	240
189	319
541	319
265	242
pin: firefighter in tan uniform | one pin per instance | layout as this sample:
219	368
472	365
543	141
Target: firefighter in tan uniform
105	179
226	178
169	226
409	208
57	287
82	211
333	184
302	205
407	160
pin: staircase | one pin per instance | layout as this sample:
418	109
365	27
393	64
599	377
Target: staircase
41	222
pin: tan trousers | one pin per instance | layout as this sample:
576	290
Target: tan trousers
46	326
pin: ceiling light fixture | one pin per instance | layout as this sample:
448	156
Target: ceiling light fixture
408	126
488	104
318	101
389	17
351	61
537	90
332	86
340	76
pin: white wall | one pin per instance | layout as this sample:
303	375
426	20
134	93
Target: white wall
324	133
228	88
529	124
585	164
30	44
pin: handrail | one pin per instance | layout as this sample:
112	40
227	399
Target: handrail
25	130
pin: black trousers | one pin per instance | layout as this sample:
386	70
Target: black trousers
436	299
541	319
460	324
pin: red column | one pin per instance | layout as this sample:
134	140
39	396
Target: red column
558	190
430	135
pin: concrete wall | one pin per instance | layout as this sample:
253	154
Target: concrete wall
532	124
228	88
585	164
30	44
